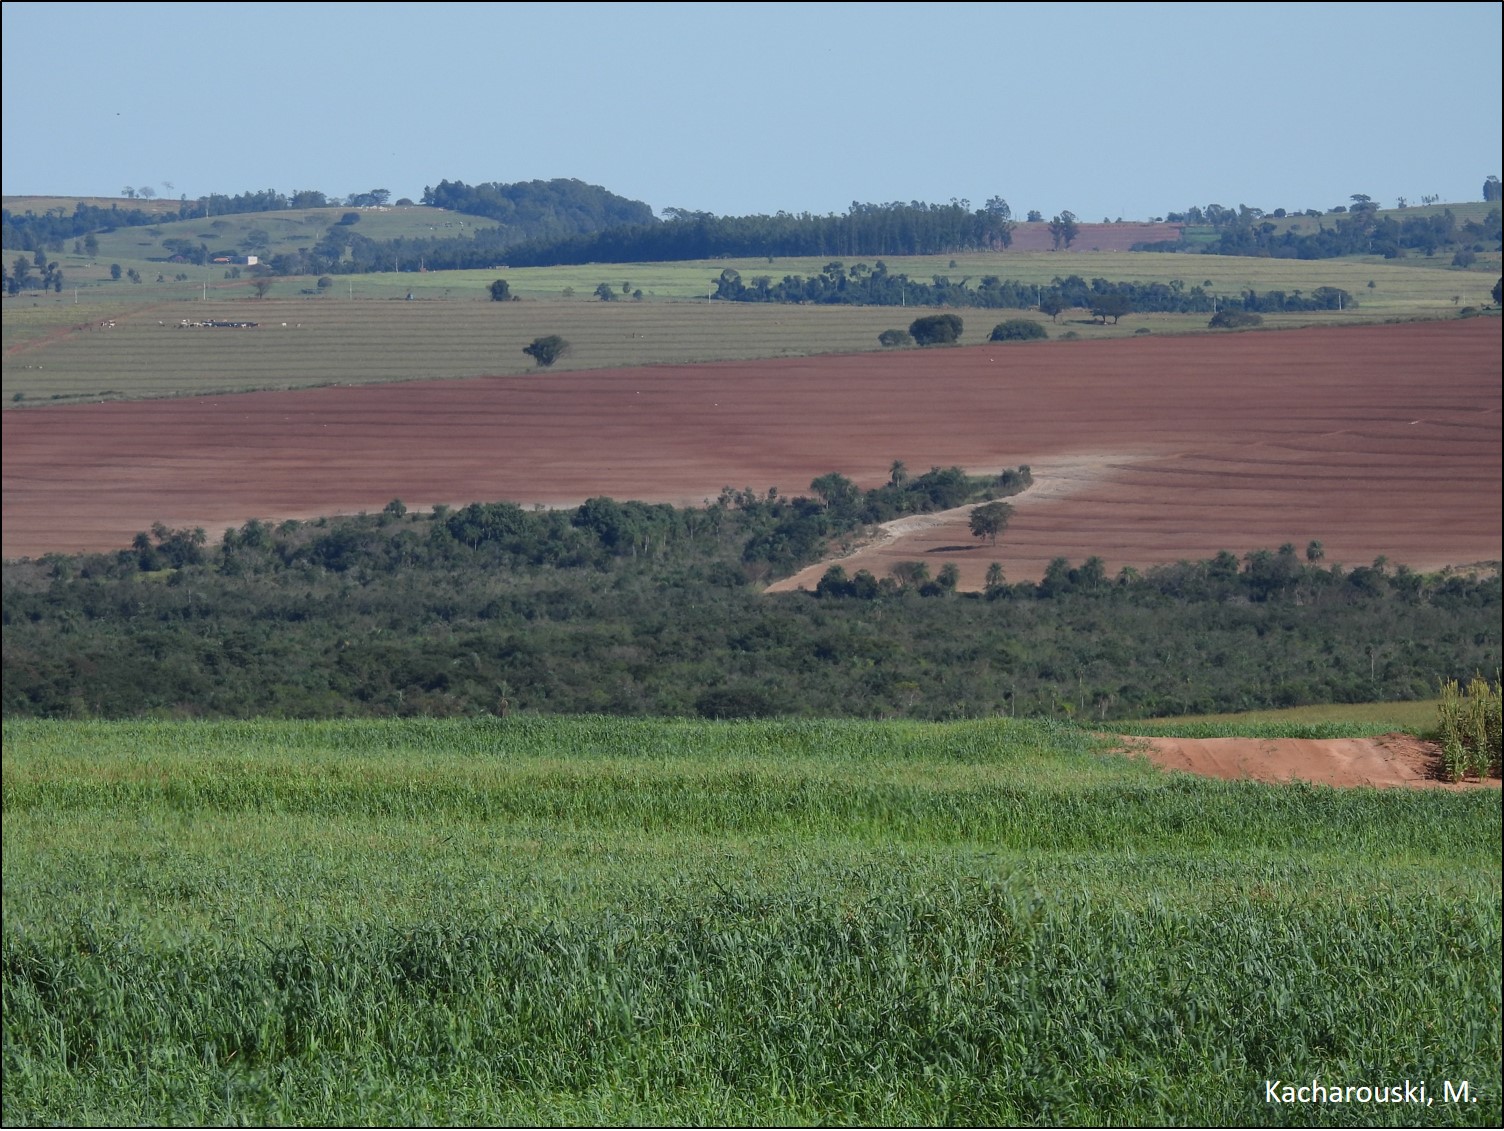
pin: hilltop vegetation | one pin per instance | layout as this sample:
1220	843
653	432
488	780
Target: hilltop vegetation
1362	230
559	222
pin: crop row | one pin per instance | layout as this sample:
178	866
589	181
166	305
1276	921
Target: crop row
968	1004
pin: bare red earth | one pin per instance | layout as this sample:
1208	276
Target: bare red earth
1096	237
1375	440
1387	761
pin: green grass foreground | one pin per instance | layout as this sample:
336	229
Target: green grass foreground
612	921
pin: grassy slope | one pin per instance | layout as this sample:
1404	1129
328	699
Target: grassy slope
602	921
1330	720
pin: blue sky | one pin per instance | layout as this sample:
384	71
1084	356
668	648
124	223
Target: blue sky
1113	110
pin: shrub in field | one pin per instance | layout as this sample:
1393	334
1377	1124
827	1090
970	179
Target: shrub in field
888	339
1235	320
546	350
1471	728
936	329
1018	330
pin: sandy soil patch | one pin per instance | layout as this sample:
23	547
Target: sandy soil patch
1391	760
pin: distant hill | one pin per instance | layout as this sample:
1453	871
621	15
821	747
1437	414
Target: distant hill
541	209
558	209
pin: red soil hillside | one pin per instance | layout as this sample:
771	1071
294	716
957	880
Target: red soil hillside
1375	440
1095	237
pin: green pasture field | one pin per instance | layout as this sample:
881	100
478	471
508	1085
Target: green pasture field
328	341
362	329
1328	720
1413	292
594	921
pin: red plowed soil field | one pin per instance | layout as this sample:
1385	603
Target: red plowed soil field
1375	440
1096	237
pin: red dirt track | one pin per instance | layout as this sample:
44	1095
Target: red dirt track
1375	440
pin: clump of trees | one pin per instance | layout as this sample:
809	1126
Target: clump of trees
1018	330
1112	305
861	284
890	339
35	273
501	291
1235	319
936	329
546	350
1063	230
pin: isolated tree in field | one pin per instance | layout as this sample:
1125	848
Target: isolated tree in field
1064	230
501	291
890	339
547	350
1492	190
936	329
1498	292
990	519
1053	303
115	271
261	284
1111	306
146	192
1035	216
1018	330
605	292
